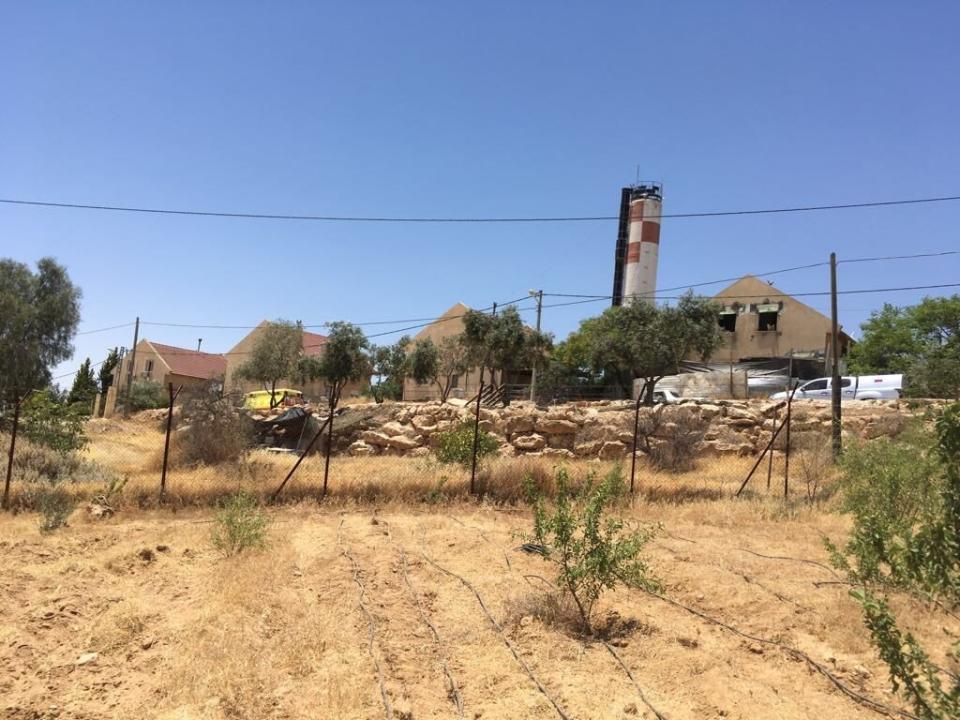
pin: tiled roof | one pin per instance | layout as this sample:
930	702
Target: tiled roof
192	363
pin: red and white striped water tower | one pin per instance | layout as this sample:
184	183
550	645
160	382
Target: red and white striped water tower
638	243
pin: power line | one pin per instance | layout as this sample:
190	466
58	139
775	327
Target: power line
541	219
99	330
596	298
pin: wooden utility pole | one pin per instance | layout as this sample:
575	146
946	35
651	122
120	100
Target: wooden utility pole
538	294
835	359
133	360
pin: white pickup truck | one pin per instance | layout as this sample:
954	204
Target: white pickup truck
862	387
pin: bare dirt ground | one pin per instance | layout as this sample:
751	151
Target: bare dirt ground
370	613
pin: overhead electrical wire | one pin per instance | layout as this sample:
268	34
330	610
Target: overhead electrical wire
535	219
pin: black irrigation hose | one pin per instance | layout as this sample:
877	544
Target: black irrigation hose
797	654
371	624
499	628
454	691
616	656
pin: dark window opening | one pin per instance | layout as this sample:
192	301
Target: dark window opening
768	320
845	382
454	381
728	322
815	385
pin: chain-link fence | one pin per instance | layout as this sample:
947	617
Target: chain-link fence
203	447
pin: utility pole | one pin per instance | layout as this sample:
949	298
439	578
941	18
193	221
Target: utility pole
538	294
835	359
133	360
199	343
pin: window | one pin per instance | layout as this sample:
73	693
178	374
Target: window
820	384
454	381
728	321
147	368
845	382
767	315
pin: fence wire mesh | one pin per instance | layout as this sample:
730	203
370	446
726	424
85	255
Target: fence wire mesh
422	452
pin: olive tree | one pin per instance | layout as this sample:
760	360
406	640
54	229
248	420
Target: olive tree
390	365
503	343
275	355
640	340
439	364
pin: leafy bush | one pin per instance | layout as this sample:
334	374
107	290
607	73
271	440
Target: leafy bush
906	537
53	425
456	446
54	505
590	550
239	525
216	431
148	395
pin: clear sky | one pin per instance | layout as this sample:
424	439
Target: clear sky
466	109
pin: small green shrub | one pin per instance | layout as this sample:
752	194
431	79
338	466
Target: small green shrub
590	549
917	550
240	524
148	395
456	446
54	505
52	424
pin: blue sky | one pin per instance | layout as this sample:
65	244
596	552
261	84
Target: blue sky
456	109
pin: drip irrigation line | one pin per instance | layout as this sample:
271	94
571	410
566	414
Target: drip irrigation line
477	220
371	623
863	700
499	629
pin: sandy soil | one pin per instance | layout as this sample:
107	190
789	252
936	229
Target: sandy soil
344	615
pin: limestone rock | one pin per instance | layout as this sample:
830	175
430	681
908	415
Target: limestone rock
403	442
372	437
612	450
394	428
549	426
361	449
529	443
590	447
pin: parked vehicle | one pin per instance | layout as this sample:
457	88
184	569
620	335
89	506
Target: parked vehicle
665	397
260	399
862	387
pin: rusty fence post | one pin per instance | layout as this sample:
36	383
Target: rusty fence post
636	430
13	444
776	416
329	448
276	493
786	450
166	441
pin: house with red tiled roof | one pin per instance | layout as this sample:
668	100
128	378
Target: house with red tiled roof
164	364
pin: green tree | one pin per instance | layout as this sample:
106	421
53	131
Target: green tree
888	345
276	355
53	424
390	366
641	340
344	360
441	364
84	388
503	343
105	376
922	341
39	313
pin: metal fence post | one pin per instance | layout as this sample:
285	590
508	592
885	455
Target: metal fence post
166	441
786	450
636	430
13	443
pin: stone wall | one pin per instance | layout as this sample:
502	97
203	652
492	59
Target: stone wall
604	429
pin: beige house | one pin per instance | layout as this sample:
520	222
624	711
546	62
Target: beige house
760	321
312	346
169	364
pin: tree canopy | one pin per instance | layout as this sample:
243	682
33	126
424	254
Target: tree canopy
502	342
84	388
389	364
275	356
344	359
641	340
440	364
39	314
922	341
